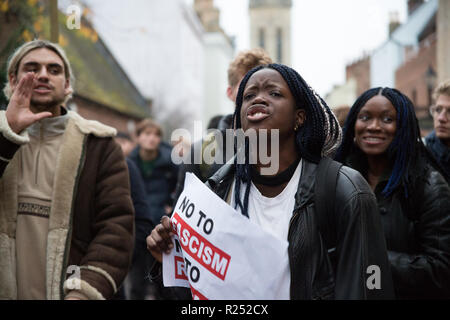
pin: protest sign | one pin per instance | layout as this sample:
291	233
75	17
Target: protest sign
219	253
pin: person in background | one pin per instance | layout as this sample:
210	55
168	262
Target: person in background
152	157
214	122
382	141
125	142
136	285
438	141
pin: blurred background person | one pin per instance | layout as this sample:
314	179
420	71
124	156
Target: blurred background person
214	122
382	141
152	157
126	143
136	286
438	141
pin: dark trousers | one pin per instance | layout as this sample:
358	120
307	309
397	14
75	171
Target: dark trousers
137	283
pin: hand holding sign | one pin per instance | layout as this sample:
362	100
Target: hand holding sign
160	240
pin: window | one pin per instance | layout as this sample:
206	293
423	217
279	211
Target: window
262	37
414	96
279	45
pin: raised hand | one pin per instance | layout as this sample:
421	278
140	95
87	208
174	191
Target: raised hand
18	112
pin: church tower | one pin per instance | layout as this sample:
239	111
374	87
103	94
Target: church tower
270	28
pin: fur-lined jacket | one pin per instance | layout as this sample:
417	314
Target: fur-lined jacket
91	218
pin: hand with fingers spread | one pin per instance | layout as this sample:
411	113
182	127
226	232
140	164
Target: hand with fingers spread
160	240
18	113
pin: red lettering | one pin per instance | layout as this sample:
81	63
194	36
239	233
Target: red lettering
179	268
210	257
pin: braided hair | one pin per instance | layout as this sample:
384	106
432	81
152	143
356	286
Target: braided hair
319	136
407	151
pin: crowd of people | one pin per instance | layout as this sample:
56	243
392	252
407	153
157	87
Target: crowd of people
89	208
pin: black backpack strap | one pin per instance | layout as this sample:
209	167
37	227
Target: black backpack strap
324	199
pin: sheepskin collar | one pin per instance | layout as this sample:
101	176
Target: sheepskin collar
91	126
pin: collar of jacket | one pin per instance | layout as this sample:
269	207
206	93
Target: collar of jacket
358	161
439	149
48	127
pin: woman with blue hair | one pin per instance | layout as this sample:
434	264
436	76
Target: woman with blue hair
382	141
286	203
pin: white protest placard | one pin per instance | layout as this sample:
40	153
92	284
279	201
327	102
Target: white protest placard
219	253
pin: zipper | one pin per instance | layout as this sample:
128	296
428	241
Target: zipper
69	233
296	213
294	216
38	155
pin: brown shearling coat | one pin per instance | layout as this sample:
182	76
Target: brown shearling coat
91	219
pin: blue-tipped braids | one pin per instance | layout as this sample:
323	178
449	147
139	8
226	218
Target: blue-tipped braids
406	150
320	134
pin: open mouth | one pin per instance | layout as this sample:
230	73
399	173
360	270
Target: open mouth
257	113
373	140
42	88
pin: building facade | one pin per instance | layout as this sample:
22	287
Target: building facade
218	53
387	58
161	46
270	28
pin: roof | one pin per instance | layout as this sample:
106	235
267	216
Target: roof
98	76
408	33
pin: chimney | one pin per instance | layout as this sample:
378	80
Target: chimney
394	22
208	14
413	5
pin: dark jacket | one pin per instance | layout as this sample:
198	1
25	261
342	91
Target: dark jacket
360	243
144	224
417	232
440	151
91	218
160	183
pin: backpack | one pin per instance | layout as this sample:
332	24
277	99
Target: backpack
324	200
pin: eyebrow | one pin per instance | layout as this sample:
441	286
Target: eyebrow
35	64
268	85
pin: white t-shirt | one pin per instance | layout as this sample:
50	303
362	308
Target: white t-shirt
273	215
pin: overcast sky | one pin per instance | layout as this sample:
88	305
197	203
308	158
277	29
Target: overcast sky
326	34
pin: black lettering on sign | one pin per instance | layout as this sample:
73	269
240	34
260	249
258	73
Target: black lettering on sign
187	207
207	225
177	245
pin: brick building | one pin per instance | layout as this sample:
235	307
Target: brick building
360	71
417	76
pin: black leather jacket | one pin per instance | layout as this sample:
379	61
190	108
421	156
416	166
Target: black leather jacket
417	231
360	241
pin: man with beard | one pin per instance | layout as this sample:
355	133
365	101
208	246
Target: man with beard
66	216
